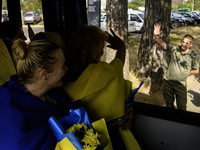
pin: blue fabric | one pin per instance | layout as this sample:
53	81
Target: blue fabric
59	126
24	118
75	116
130	100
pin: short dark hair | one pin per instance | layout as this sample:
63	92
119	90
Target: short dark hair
188	36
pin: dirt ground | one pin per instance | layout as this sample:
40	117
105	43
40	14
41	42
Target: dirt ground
193	87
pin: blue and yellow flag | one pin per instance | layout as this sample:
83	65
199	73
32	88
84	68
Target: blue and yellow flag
68	141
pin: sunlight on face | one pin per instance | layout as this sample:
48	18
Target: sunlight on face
186	44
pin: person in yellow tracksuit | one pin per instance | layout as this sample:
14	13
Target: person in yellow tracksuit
100	86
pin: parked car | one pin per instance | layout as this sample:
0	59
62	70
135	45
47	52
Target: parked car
187	20
175	23
32	17
135	21
103	21
184	10
197	15
196	12
191	15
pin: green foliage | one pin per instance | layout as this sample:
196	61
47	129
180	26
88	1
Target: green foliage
21	4
4	5
28	5
32	5
134	4
175	6
197	5
187	4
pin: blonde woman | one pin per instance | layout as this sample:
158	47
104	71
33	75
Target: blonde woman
31	98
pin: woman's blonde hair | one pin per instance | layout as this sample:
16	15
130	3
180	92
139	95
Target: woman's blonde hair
32	57
86	45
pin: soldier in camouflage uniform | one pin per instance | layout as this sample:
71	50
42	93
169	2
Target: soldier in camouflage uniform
183	63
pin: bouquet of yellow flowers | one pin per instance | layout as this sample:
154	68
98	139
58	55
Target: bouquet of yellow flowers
88	138
75	132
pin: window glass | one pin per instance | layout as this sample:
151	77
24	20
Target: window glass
142	16
133	17
32	14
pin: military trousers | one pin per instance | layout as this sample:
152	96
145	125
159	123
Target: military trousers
174	90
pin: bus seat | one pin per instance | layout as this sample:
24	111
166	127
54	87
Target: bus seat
7	67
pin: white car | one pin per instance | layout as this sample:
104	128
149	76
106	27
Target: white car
135	21
103	21
32	17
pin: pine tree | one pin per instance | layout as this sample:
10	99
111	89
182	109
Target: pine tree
152	60
117	20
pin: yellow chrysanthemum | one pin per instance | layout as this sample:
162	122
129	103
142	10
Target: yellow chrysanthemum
76	127
90	140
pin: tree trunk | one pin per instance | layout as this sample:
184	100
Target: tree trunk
152	60
117	20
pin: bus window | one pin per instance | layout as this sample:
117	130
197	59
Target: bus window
27	12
